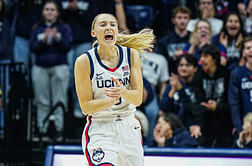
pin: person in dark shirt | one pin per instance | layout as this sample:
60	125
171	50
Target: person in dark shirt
178	94
210	109
240	86
172	44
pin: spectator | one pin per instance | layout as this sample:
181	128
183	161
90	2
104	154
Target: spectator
207	12
245	136
147	116
200	37
6	45
155	71
50	40
223	7
242	7
78	14
6	48
121	16
178	94
171	45
231	36
170	132
163	13
28	13
155	12
247	19
210	110
240	87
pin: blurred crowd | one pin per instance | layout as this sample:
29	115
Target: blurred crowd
197	78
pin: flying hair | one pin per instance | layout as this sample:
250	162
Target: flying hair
141	41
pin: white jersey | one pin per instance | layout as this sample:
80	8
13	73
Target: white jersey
101	79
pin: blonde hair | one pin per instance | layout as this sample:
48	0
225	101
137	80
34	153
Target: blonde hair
192	36
140	41
248	118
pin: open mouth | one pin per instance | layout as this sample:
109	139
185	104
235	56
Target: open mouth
109	37
204	64
203	34
233	29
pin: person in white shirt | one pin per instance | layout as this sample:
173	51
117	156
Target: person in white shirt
207	10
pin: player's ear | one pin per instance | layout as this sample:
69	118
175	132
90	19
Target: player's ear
93	34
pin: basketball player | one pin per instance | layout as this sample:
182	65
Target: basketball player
109	86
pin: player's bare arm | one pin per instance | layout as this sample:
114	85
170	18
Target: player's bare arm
135	94
88	104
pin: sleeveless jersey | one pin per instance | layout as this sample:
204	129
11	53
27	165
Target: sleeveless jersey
101	79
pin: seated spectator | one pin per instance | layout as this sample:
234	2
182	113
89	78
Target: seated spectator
247	19
245	136
150	108
200	37
155	70
210	110
231	36
172	44
207	12
170	132
50	40
240	87
178	94
223	7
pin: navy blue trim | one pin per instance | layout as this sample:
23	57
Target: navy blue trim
105	164
121	56
49	156
91	65
128	54
105	67
199	152
89	124
178	152
231	152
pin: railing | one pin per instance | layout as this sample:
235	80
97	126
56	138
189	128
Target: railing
16	114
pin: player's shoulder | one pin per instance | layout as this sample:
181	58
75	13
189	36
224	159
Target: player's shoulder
82	59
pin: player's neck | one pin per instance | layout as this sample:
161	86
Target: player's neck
106	52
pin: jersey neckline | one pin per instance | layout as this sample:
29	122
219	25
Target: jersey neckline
108	68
